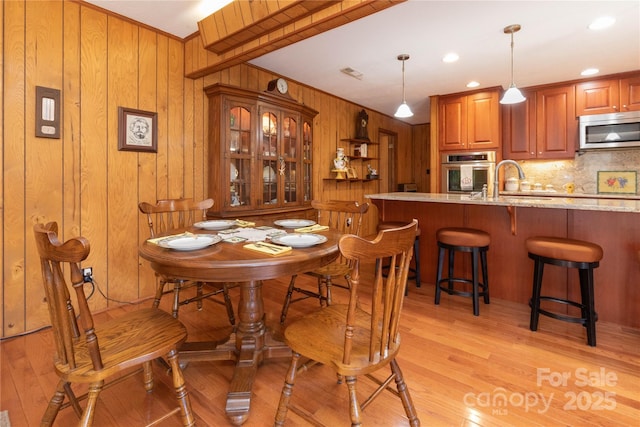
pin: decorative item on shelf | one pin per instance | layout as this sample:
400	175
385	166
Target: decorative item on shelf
372	173
340	164
361	126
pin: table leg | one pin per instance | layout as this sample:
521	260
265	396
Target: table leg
250	341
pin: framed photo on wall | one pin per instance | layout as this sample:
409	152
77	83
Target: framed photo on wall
137	130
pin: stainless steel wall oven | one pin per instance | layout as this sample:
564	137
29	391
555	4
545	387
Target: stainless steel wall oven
467	172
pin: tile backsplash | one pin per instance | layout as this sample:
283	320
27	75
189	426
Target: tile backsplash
582	170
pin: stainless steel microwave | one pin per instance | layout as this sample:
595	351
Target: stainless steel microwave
615	130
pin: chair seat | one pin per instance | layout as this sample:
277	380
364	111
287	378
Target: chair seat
327	327
386	225
455	236
121	346
333	269
564	249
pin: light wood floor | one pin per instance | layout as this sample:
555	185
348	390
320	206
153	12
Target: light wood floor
461	370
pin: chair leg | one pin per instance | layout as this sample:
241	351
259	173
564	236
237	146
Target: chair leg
354	407
416	260
228	304
148	376
327	282
199	296
451	261
159	293
287	299
538	269
439	275
287	390
176	298
485	276
54	405
181	390
92	400
586	289
474	273
403	392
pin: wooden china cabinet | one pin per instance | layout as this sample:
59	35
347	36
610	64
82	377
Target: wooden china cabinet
260	154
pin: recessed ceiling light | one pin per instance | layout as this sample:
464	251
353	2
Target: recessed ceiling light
589	72
473	83
450	57
602	23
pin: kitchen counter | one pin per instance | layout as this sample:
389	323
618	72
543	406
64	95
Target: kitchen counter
535	200
612	223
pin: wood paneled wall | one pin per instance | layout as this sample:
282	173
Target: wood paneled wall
101	62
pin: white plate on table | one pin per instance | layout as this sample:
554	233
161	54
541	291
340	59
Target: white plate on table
299	240
189	243
294	223
215	224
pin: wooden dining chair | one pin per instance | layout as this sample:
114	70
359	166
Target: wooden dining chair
90	354
350	339
175	214
346	217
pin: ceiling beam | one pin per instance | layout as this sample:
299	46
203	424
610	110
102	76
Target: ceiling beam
242	41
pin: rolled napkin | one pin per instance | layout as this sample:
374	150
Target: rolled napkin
311	228
242	223
155	240
268	248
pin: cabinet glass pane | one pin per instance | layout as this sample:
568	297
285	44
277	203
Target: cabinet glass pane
240	182
290	182
269	182
307	149
290	137
240	130
269	135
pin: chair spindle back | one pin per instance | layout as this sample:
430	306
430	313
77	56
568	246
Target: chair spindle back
172	214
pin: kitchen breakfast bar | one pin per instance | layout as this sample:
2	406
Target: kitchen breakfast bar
612	223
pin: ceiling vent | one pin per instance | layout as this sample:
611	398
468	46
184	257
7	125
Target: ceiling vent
353	73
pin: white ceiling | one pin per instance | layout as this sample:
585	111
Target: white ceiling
554	45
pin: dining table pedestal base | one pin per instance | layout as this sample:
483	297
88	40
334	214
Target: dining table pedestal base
248	345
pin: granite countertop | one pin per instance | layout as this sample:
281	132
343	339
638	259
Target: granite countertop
530	199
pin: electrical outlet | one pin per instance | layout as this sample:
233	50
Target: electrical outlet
87	273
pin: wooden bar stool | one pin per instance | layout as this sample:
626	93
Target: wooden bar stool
464	240
585	256
414	270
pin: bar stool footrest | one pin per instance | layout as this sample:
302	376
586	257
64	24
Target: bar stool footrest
564	317
459	292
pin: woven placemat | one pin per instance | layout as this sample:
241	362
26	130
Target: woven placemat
4	419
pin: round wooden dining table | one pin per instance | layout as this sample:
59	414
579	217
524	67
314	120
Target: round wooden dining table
250	342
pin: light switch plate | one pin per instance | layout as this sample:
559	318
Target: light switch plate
47	112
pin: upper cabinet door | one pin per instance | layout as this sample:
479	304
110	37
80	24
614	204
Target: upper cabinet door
598	97
483	120
556	123
630	94
519	129
452	123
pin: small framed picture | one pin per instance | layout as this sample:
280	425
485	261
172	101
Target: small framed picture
617	182
351	173
137	130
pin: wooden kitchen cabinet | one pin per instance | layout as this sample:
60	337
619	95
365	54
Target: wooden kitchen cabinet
542	127
260	153
469	122
608	96
556	123
598	97
630	94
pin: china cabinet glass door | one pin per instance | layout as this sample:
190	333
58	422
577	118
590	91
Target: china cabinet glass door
307	144
240	154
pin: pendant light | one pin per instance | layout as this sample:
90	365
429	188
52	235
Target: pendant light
403	110
513	94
